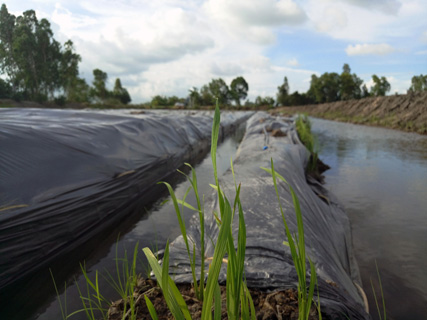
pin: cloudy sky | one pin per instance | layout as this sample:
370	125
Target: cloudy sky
168	46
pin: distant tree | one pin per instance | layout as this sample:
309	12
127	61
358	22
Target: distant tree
195	100
69	71
418	83
266	101
365	92
159	101
206	97
283	93
325	88
239	89
121	93
349	84
381	86
219	89
5	90
80	92
299	99
99	90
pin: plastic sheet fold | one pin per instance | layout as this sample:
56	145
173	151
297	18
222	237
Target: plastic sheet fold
67	175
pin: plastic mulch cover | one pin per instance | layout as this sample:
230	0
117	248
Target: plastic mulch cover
66	175
268	262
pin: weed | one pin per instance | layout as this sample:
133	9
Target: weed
297	246
303	126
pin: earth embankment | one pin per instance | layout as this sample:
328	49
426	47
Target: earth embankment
404	112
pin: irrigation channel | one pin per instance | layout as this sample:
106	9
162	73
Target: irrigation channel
380	176
34	297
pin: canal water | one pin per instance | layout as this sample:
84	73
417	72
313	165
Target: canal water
380	176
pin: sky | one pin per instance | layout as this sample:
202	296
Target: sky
166	47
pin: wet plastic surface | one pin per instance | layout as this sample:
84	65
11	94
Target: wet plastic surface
268	261
67	175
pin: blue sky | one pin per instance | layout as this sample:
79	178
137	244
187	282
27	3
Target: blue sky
168	46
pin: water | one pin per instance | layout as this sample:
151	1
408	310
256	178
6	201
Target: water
35	297
380	176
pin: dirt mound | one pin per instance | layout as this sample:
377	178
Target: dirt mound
268	305
404	112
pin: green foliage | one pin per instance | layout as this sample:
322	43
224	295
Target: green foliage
283	92
219	90
303	126
37	67
350	85
381	86
239	89
99	91
384	313
325	88
121	93
264	101
418	83
238	299
296	244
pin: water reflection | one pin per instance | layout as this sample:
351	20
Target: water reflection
380	176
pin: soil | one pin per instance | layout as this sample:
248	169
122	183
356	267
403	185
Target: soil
404	112
268	305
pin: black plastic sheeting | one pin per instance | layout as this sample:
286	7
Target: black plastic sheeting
268	263
67	175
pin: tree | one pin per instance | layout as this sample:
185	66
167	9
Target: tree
7	62
219	90
381	86
418	83
121	93
206	95
283	92
325	88
69	70
99	90
349	84
239	89
194	98
267	101
365	92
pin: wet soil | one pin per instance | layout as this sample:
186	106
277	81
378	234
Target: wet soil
268	305
406	112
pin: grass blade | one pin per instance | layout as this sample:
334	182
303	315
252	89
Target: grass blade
151	309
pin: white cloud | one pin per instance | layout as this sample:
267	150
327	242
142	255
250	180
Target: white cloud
255	20
333	18
424	37
293	63
369	49
421	52
385	6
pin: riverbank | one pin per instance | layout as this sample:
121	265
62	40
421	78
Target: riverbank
403	112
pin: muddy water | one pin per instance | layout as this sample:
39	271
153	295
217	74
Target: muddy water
35	297
380	176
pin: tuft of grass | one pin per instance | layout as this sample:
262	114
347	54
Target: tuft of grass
303	126
384	313
297	245
238	300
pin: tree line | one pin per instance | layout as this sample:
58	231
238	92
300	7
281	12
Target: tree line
37	67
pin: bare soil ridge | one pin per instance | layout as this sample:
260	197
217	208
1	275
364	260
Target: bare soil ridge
403	112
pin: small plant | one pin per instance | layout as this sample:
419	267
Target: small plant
382	295
238	300
297	246
303	126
